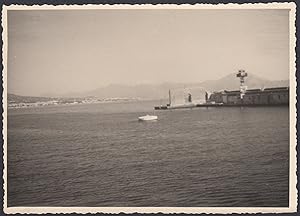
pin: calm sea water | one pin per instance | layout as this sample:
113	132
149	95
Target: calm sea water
100	155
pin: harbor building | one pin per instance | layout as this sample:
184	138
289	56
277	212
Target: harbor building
267	96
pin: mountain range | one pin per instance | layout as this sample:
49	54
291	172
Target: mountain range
158	91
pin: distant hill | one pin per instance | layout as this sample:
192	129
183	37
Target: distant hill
143	91
13	98
156	91
231	82
159	91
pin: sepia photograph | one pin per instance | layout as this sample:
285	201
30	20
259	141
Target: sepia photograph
149	108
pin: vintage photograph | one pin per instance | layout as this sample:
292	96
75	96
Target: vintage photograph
144	108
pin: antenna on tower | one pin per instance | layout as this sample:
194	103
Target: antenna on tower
242	74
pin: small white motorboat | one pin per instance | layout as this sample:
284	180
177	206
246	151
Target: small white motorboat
148	118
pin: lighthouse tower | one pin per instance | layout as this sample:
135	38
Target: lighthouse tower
242	74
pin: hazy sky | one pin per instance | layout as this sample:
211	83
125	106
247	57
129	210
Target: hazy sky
71	50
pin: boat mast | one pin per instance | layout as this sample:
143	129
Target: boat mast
169	97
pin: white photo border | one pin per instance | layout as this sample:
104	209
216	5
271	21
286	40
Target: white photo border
167	210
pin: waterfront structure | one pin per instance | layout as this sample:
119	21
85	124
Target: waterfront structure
267	96
264	96
242	97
